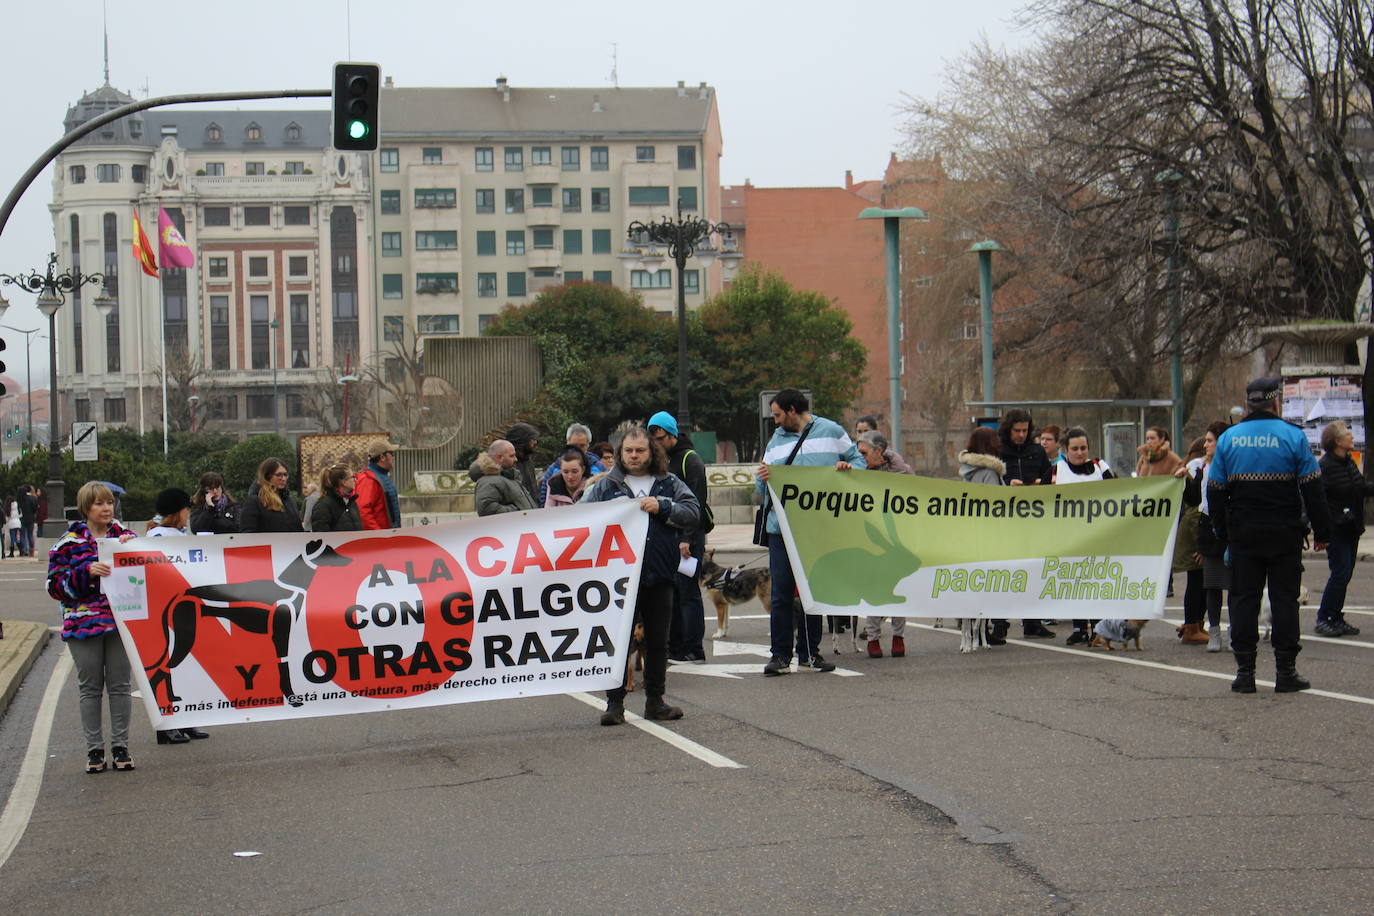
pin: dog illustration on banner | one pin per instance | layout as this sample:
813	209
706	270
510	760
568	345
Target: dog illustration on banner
265	606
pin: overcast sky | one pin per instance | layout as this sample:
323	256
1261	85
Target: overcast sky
806	89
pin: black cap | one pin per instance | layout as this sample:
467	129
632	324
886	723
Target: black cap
172	501
1263	390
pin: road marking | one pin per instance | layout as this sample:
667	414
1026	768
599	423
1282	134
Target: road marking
15	820
1330	640
728	647
686	745
1112	657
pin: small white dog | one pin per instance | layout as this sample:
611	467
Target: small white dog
1267	610
973	634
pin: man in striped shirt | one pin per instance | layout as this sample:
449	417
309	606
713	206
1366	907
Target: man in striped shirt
826	444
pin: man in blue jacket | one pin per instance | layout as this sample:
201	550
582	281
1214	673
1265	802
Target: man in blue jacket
1261	476
826	444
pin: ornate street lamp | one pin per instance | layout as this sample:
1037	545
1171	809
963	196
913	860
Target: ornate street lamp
52	288
684	237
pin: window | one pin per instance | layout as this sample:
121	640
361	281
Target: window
687	197
436	324
299	306
214	169
298	265
686	157
294	133
601	200
515	283
515	200
114	410
484	322
225	407
391	202
107	174
572	200
390	159
601	158
572	241
293	168
601	241
691	281
545	273
139	173
253	134
659	279
257	266
541	155
432	155
436	240
515	159
257	216
393	327
602	276
968	331
572	276
77	175
343	264
648	196
219	332
486	200
216	216
214	134
644	154
261	407
436	283
485	159
435	198
572	158
254	168
296	216
486	241
515	241
541	196
296	405
541	238
260	333
83	410
391	244
217	268
928	281
486	286
391	286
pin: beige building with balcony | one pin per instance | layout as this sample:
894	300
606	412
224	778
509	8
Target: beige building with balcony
279	300
486	196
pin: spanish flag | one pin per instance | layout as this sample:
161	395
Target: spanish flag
143	251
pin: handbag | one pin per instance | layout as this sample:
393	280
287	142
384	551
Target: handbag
761	514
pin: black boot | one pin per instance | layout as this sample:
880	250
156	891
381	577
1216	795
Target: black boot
1245	673
655	708
1286	677
615	711
171	736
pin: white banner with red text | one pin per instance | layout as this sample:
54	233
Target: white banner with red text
257	627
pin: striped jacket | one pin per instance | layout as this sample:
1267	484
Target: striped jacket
85	609
826	444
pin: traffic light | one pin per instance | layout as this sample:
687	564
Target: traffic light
355	105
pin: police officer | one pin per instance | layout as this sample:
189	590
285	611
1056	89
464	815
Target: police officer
1260	479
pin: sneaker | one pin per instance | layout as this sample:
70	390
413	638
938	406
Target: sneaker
1346	629
875	649
1077	638
776	667
1328	628
696	658
1037	630
1214	639
120	759
95	760
820	664
678	657
898	647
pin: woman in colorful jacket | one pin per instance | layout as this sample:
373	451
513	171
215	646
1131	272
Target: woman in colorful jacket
641	473
88	625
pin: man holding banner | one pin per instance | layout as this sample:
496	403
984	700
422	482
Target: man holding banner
807	440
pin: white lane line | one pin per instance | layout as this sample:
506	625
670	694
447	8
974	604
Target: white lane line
1329	640
686	745
1105	657
15	820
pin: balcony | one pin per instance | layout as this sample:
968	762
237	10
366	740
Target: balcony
543	174
543	216
544	257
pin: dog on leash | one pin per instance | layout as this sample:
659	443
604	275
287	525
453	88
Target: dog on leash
734	585
837	625
1122	631
635	662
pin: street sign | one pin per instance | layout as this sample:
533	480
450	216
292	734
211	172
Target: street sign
85	446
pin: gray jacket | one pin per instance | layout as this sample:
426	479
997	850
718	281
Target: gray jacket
497	490
976	468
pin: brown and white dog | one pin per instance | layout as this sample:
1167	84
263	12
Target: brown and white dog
735	585
635	662
1122	631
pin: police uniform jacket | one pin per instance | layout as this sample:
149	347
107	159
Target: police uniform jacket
1262	477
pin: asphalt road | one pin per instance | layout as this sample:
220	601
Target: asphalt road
1027	778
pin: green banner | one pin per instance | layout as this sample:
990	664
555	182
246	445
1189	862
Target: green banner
865	542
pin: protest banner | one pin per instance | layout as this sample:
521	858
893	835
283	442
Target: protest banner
256	627
877	544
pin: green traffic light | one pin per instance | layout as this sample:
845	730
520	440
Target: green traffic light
357	129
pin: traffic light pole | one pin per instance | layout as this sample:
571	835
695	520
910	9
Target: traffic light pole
159	101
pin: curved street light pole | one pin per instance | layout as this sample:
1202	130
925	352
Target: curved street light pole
52	288
684	238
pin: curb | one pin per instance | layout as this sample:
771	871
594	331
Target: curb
20	648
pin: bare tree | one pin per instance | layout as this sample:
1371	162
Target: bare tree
421	410
189	389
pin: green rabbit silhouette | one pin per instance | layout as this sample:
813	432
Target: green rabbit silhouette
851	574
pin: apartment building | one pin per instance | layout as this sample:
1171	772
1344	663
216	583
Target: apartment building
279	300
486	196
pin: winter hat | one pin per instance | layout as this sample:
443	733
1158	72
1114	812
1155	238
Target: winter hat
664	421
172	501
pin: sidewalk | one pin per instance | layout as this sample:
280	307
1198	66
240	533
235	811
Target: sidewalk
18	650
739	539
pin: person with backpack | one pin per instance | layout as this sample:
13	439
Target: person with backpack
687	626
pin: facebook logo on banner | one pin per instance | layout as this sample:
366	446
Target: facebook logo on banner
195	556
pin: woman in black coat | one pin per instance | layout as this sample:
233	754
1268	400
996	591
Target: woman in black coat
271	508
213	512
1346	491
336	509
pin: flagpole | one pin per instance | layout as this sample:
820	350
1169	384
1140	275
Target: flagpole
162	349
